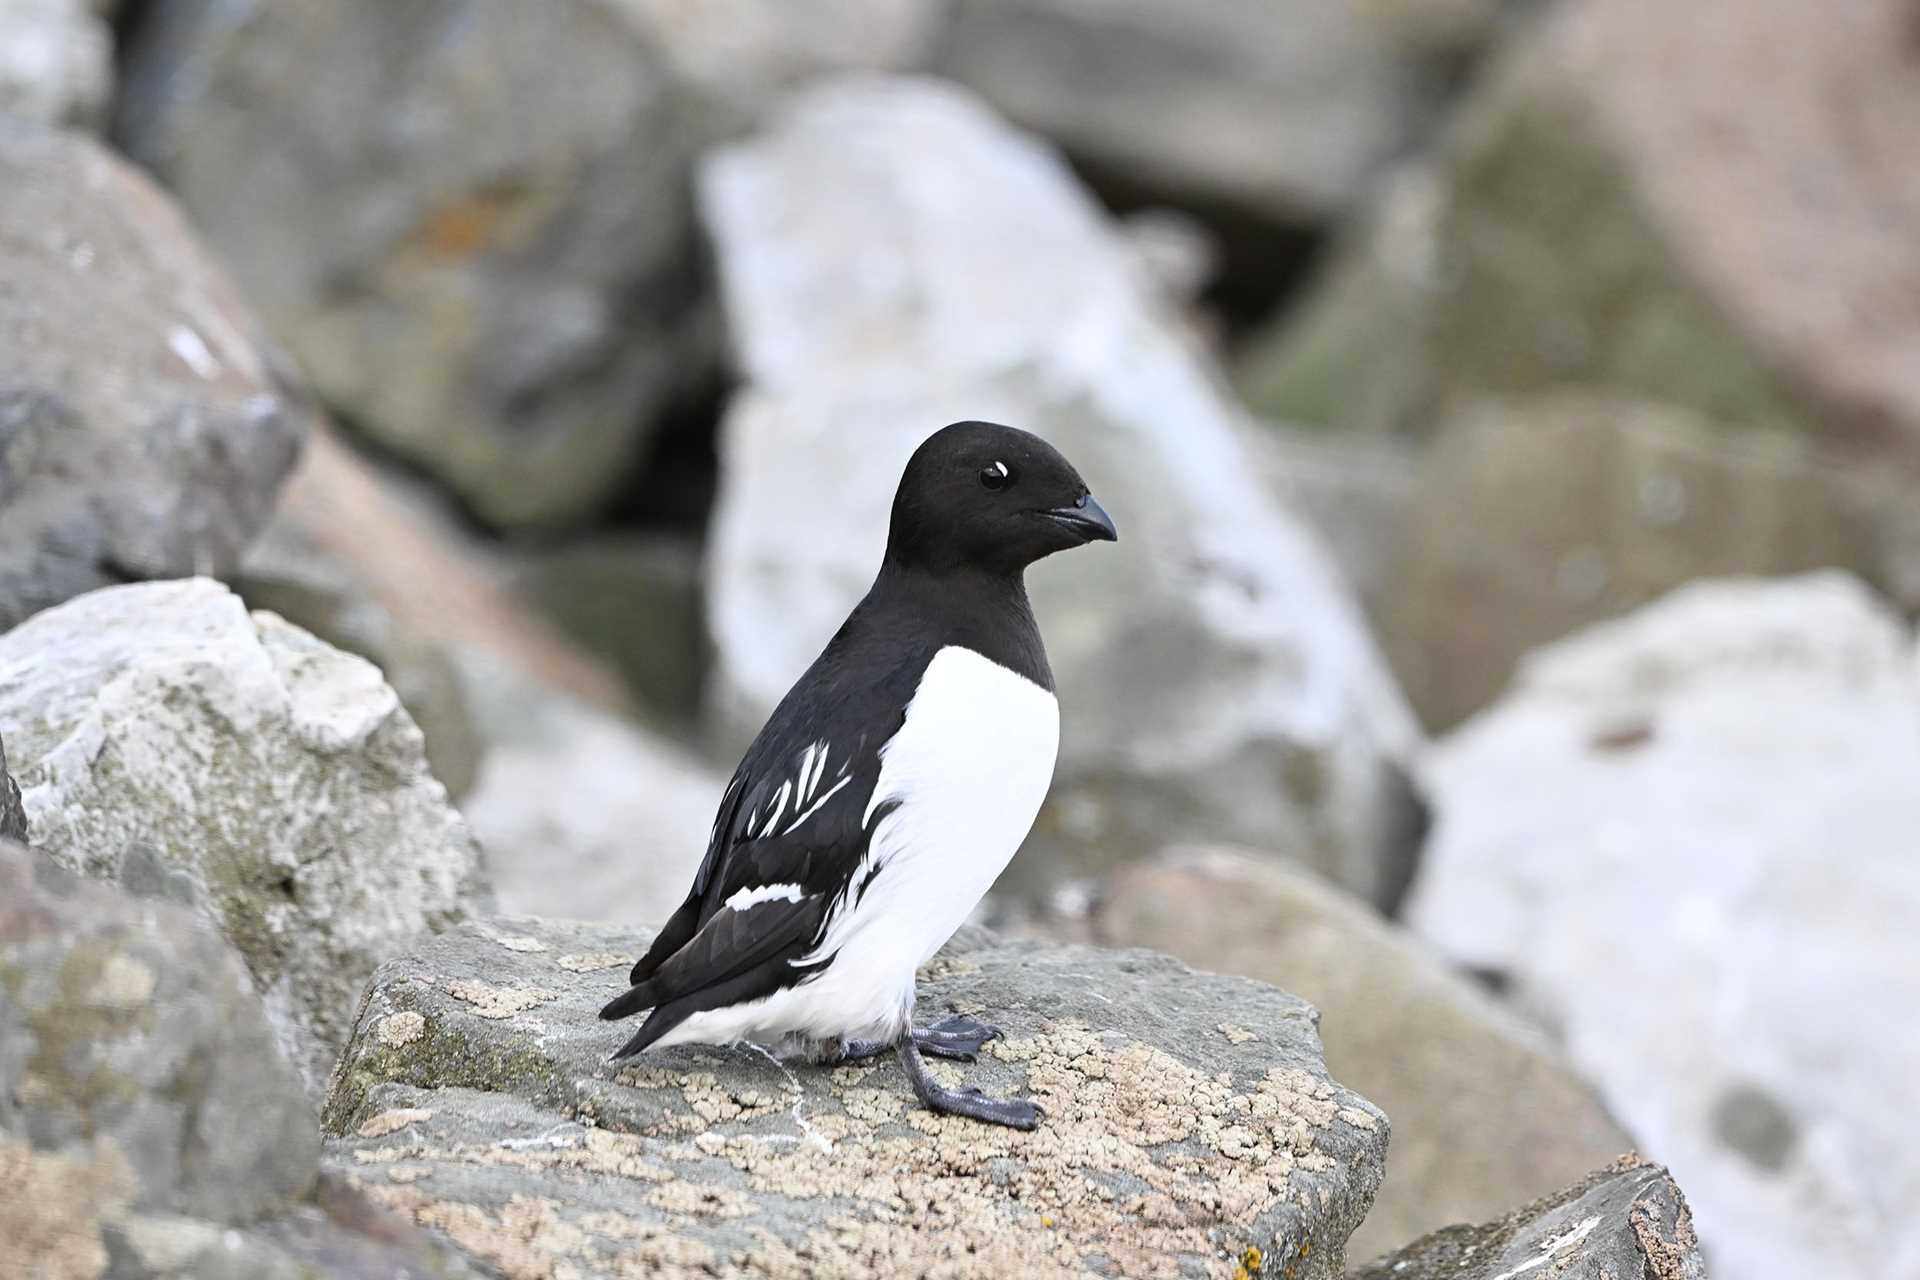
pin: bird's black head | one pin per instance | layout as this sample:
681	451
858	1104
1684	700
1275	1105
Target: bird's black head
983	496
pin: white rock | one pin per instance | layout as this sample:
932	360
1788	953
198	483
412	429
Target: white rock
894	259
582	814
1691	837
282	776
56	61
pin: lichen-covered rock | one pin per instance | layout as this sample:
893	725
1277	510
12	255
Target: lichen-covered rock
1283	109
149	1127
1189	1118
279	776
582	813
144	427
13	818
1627	1220
56	61
1685	204
1538	516
133	1038
1687	838
1486	1112
893	259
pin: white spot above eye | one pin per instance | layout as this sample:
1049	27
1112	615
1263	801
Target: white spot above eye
193	352
745	898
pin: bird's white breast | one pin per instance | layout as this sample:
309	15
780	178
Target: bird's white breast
960	785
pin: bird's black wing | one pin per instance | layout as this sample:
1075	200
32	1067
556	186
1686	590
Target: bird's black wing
785	850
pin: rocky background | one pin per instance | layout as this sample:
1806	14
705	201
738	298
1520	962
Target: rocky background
433	433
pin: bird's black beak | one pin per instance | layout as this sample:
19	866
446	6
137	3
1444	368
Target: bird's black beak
1087	519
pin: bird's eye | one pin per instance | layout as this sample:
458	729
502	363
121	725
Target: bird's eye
997	476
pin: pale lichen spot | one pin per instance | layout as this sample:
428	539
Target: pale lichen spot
392	1121
397	1029
498	1003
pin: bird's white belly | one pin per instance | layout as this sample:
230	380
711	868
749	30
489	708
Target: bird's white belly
968	769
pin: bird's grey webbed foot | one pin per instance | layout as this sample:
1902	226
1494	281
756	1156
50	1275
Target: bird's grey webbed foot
958	1037
857	1051
1015	1113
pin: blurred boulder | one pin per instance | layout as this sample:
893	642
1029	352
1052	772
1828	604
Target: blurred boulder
1358	493
1710	205
1686	839
1282	109
582	813
1534	517
477	1099
56	61
144	427
470	218
1486	1114
893	259
1627	1220
278	776
397	552
13	818
633	601
148	1124
466	219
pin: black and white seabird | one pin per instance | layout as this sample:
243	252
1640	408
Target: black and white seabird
890	787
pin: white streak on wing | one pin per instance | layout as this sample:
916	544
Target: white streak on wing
744	898
804	773
779	807
815	806
819	767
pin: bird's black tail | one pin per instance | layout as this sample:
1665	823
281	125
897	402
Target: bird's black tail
629	1002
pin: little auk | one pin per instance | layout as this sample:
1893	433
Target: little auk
888	790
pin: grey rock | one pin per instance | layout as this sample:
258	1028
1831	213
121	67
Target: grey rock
144	426
1626	1220
1486	1112
149	1128
13	818
56	61
583	813
1538	516
280	775
134	1038
1285	109
636	602
1686	839
893	259
1358	493
471	221
476	1098
466	220
1601	217
290	574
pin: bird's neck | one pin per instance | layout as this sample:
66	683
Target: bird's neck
986	612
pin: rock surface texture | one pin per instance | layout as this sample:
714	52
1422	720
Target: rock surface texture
13	818
479	261
894	259
471	222
1486	1113
161	734
1286	110
149	1128
1680	836
1540	515
1189	1118
1625	1222
56	61
144	427
1619	207
583	814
